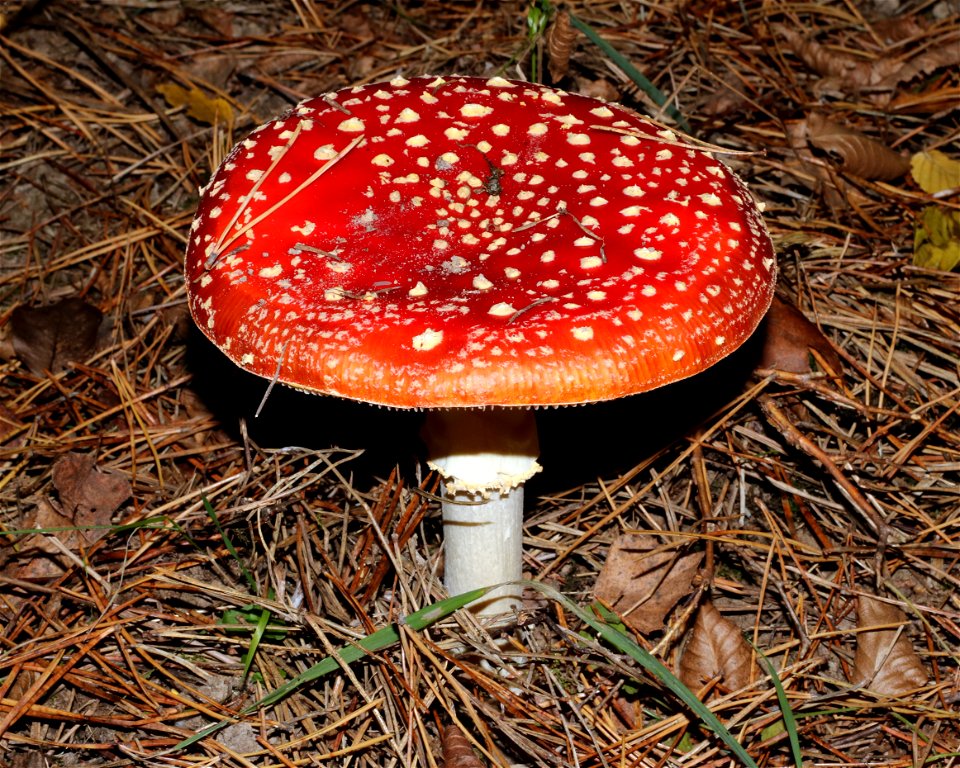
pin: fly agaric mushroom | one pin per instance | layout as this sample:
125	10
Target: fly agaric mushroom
476	247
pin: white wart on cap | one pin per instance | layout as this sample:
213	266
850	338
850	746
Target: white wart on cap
464	242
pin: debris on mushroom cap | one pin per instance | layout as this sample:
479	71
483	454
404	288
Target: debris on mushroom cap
449	242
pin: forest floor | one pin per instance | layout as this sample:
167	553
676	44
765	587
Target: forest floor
788	523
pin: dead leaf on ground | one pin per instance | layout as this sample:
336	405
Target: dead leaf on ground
881	75
86	493
814	172
935	171
936	243
885	661
716	649
790	339
11	428
598	89
50	338
88	498
858	153
457	751
641	580
727	96
850	72
214	68
220	20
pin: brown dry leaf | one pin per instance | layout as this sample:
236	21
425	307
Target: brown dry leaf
38	557
200	107
943	54
49	338
642	584
815	173
457	752
88	500
598	89
850	72
715	649
213	68
218	19
560	39
11	428
789	339
725	97
29	759
858	153
881	75
897	28
87	494
885	661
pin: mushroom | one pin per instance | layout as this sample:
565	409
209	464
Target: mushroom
478	248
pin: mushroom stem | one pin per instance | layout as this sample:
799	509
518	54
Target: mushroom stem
483	545
484	457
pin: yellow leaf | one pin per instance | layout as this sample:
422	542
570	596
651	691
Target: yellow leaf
199	106
934	171
936	243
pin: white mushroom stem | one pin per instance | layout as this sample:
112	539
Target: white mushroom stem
484	456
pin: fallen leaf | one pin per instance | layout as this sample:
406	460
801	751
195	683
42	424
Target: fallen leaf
895	29
789	339
89	495
880	76
457	751
936	241
213	68
723	98
598	89
885	661
935	171
11	428
88	498
715	649
202	108
934	99
850	72
944	54
219	20
641	582
814	173
857	152
50	338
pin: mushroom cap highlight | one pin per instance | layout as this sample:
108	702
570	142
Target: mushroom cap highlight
464	242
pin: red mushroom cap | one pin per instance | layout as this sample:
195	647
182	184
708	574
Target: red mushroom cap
460	241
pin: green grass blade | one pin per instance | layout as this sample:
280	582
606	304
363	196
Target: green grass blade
627	645
382	638
630	71
248	577
255	641
264	618
789	721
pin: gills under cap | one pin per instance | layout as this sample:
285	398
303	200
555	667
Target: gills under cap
462	242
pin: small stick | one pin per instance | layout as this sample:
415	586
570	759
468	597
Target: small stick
253	190
797	439
273	381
